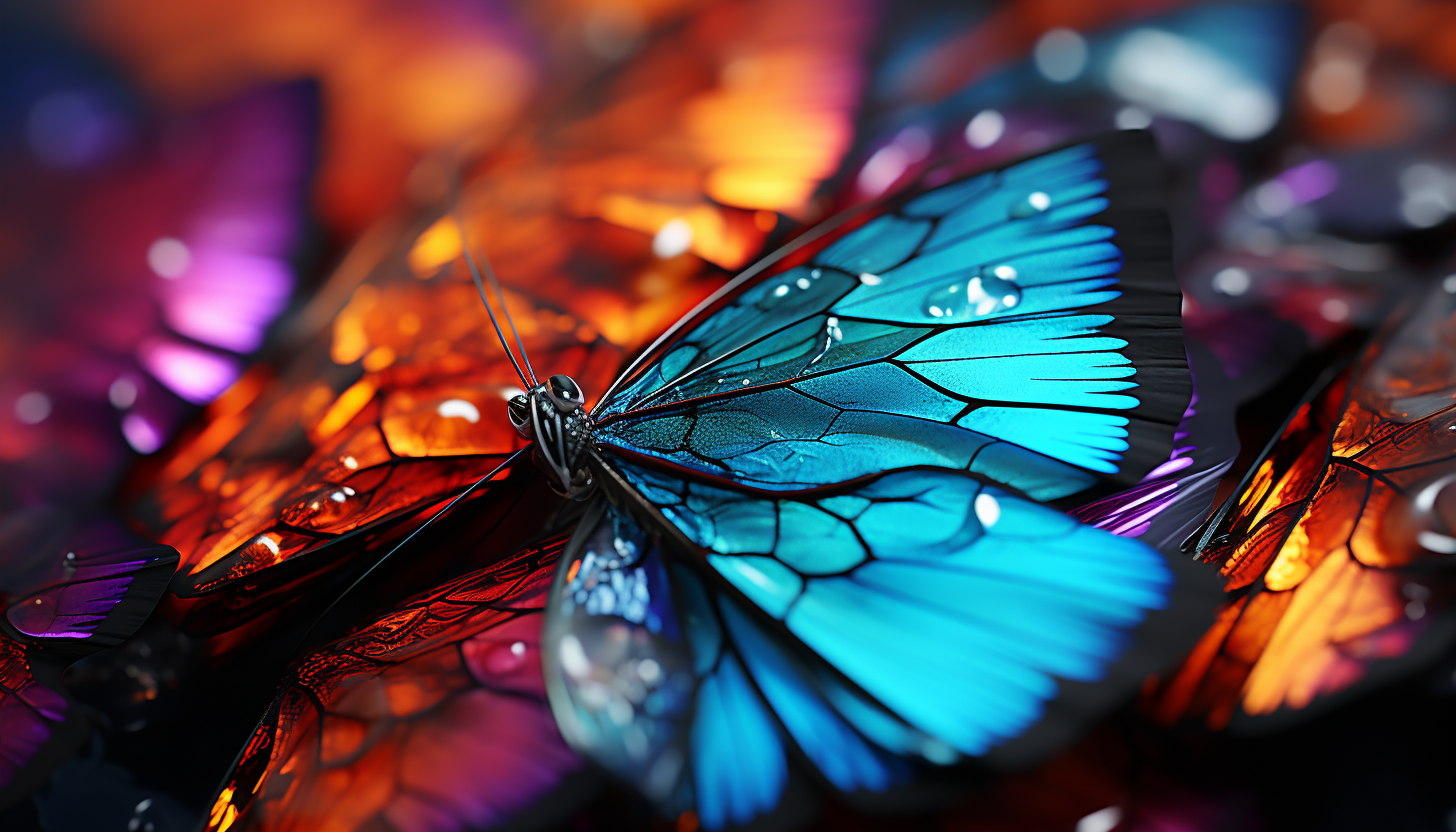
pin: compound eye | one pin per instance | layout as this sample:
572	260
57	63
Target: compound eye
519	409
564	393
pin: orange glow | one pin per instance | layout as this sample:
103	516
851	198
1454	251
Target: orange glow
350	342
1293	562
442	94
1304	657
712	237
346	407
396	82
223	812
436	247
448	421
378	358
1329	521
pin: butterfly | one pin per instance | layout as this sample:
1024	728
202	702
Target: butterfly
819	529
1334	546
68	589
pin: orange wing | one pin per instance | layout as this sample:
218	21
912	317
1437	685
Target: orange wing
1332	549
433	716
396	409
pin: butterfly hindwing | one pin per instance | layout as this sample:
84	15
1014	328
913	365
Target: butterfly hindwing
432	716
1021	324
911	621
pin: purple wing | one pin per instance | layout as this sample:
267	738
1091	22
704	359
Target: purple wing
1175	496
89	589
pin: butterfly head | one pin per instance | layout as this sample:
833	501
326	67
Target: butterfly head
553	415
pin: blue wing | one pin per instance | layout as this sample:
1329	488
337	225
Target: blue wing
899	624
1022	324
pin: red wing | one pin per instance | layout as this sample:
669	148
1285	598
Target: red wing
432	717
1328	549
400	406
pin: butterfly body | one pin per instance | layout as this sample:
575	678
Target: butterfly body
554	416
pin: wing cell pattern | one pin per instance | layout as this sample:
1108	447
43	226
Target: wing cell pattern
432	717
985	325
1335	551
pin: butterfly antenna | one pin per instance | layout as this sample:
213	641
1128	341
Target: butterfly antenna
480	288
505	310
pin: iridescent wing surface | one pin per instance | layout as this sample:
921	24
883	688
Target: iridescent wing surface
1021	325
828	542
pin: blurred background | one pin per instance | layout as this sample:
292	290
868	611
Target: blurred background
190	190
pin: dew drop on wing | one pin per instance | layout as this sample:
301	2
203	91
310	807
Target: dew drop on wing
993	290
1034	203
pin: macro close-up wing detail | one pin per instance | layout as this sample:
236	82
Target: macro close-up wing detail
763	415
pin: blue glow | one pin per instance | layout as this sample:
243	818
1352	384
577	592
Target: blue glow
1017	595
879	244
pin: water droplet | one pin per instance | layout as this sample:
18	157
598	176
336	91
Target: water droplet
987	509
991	291
1035	203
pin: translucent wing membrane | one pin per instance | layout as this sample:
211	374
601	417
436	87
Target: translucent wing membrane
909	621
1335	549
1022	324
432	717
